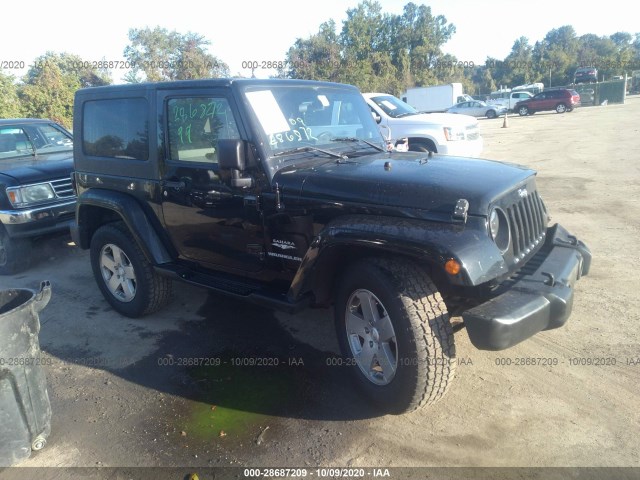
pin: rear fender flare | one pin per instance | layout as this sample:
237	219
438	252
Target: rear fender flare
120	206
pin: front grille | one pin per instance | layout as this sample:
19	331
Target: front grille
473	133
62	187
527	220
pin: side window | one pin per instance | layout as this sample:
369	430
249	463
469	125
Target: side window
116	128
195	126
348	114
14	141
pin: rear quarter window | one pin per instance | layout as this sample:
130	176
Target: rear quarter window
116	128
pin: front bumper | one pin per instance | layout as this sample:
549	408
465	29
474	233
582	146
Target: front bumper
39	220
536	301
462	148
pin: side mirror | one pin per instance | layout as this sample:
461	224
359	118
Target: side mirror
232	156
376	117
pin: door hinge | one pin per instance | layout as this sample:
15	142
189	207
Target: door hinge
254	201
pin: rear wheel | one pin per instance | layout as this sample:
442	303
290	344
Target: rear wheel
523	111
125	277
492	114
15	253
394	333
561	108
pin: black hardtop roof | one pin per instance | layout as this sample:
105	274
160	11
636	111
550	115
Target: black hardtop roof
206	83
12	121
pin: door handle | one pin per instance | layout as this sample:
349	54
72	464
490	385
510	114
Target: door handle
177	185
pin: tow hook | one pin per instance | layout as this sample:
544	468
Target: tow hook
551	280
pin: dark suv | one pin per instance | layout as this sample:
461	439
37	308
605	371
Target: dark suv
36	197
561	100
282	193
586	75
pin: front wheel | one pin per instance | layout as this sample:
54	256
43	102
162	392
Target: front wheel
395	335
523	111
14	253
124	275
491	114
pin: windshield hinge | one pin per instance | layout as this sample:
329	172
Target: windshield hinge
254	201
460	211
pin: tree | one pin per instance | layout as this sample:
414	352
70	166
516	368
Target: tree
49	94
160	55
555	57
73	66
518	66
10	106
375	50
318	57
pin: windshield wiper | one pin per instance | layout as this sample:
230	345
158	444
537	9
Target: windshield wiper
309	148
354	139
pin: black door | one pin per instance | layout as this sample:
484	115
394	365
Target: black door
208	221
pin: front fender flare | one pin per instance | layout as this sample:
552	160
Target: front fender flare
428	242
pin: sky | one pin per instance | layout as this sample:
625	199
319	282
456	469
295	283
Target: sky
250	30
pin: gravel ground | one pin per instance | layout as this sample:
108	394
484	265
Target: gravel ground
121	396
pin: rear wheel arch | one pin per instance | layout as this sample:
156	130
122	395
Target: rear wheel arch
99	211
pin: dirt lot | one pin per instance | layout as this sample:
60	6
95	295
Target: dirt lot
120	397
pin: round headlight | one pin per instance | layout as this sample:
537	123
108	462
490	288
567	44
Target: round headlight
494	223
499	229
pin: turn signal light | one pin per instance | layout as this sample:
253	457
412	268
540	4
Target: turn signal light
452	267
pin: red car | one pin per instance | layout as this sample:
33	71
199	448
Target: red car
561	100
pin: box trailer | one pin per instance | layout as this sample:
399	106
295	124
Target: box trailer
436	98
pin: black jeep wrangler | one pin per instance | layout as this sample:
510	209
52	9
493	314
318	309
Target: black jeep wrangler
282	193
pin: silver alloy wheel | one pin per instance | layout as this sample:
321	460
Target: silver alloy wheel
118	273
561	108
371	337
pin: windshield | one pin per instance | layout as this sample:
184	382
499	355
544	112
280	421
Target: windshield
23	140
394	107
294	116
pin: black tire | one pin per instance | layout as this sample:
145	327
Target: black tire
423	343
15	253
150	290
523	111
492	114
561	108
424	146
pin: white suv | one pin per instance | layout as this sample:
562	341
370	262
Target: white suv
443	133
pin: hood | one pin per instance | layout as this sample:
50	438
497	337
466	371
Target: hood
32	170
444	119
434	185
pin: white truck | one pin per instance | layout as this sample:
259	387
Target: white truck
508	99
436	98
443	133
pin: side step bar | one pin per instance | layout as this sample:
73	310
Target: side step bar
237	288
